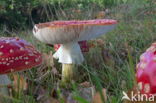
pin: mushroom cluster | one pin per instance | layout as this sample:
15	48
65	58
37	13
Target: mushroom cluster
16	55
146	71
68	34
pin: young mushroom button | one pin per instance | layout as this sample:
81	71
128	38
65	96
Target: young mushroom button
68	34
16	55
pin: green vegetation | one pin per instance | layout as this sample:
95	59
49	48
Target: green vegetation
111	67
24	13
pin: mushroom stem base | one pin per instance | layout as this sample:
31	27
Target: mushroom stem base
69	72
4	82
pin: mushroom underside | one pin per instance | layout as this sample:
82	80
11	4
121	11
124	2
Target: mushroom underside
65	35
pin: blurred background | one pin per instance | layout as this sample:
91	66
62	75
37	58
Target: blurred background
15	14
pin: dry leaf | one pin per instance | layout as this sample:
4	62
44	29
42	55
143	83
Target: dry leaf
100	15
54	71
85	84
97	97
43	97
107	58
77	11
86	93
48	59
96	43
100	42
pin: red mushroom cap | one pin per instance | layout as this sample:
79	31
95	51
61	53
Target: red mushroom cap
146	71
83	45
17	54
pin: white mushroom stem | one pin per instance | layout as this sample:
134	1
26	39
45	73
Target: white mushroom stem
69	54
4	82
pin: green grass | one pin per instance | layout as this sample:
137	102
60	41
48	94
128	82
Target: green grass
135	32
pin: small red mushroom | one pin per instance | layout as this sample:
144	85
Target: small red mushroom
146	71
16	55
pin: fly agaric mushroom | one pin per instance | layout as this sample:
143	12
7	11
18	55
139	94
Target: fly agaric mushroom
146	71
68	33
16	55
